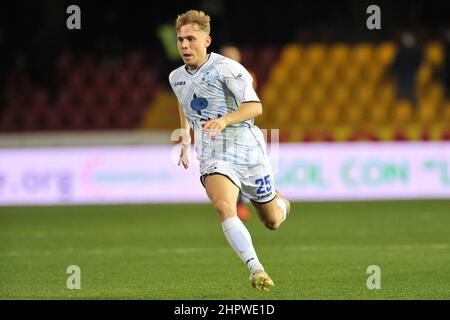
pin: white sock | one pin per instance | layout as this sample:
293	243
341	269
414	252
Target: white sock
282	205
239	238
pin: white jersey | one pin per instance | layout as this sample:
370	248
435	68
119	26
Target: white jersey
218	87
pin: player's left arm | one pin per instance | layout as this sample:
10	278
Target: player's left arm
246	111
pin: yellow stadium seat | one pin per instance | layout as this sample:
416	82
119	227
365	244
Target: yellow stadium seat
281	115
304	114
351	73
424	75
339	54
327	74
435	92
315	53
446	112
270	95
279	74
352	113
373	72
402	112
385	53
377	113
291	54
363	94
315	94
434	53
339	94
301	74
361	53
426	112
162	113
328	114
385	94
292	94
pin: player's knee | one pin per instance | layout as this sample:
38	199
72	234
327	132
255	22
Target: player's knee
272	224
223	208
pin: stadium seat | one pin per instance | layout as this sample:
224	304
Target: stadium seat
352	113
304	114
339	54
73	119
377	113
434	53
402	112
363	94
339	94
39	99
423	77
372	73
445	113
426	112
135	60
329	114
269	95
282	116
327	74
434	92
278	74
350	73
361	53
315	94
291	95
314	54
385	93
291	54
385	53
301	74
49	119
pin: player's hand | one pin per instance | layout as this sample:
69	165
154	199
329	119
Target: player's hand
214	127
184	155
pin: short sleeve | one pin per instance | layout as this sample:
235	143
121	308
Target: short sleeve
239	81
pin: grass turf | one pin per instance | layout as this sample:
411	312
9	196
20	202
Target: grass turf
179	252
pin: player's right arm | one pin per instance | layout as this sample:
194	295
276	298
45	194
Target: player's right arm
185	138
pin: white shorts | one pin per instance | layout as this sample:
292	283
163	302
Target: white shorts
256	182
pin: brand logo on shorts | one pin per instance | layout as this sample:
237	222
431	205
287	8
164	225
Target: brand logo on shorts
264	196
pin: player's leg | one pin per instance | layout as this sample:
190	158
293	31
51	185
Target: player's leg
274	212
223	195
258	184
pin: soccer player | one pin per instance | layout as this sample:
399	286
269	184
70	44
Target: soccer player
234	53
217	101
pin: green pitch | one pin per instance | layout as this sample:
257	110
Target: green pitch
179	252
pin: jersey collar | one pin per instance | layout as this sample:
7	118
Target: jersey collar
193	73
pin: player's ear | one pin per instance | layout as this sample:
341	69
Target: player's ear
208	41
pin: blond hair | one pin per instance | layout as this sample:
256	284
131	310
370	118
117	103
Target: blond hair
194	17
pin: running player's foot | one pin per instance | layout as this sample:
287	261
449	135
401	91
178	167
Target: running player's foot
242	212
260	280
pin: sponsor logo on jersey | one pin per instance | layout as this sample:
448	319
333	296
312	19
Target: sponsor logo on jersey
198	104
179	83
